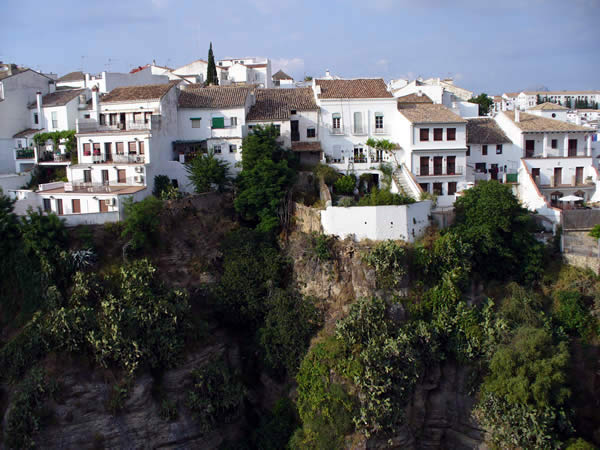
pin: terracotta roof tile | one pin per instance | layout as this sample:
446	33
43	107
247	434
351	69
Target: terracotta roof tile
213	97
485	131
358	88
306	146
72	76
427	113
281	75
27	132
547	106
414	98
138	93
276	104
58	98
530	122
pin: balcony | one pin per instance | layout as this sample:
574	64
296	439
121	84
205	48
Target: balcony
55	157
113	159
92	125
80	186
24	153
381	130
339	131
359	130
426	172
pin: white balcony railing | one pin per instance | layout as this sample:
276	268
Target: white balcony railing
358	130
427	172
337	130
381	130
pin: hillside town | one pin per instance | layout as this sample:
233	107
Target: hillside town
128	128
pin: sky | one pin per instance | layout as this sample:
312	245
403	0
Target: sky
486	46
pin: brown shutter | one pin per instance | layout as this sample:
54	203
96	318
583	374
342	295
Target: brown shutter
132	148
141	147
451	134
76	205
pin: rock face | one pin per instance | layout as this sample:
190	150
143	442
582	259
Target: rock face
81	419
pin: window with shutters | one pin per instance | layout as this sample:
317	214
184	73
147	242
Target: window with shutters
424	134
218	122
195	123
132	147
311	132
451	134
438	134
120	148
484	150
217	149
54	119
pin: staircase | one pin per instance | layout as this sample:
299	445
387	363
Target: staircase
399	177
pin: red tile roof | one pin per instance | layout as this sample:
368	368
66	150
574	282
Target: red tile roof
213	97
358	88
276	104
138	93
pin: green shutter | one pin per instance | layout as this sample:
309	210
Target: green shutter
218	122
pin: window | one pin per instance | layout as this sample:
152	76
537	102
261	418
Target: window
535	173
87	149
379	121
277	130
217	149
47	207
424	186
468	150
554	143
76	205
292	112
86	116
132	147
484	150
54	119
141	147
36	118
451	187
120	148
480	167
232	148
438	134
451	134
358	123
87	176
233	121
147	117
572	147
529	148
195	122
424	134
97	149
311	132
218	122
498	149
437	188
336	121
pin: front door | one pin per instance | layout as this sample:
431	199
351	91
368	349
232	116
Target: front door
295	130
121	176
529	148
103	206
494	171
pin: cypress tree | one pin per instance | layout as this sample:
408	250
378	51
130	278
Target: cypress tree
211	71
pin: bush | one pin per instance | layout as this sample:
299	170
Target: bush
142	222
161	184
276	427
390	261
321	246
570	312
382	197
327	173
208	173
346	202
216	396
345	185
290	323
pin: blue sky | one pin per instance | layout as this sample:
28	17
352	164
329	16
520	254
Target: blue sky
488	46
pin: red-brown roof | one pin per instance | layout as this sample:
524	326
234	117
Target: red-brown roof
357	88
58	98
306	146
138	93
72	76
213	97
276	104
414	98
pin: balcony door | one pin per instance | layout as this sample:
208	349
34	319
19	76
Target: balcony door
121	176
451	165
437	165
105	177
108	151
578	175
295	131
529	148
424	166
557	176
572	147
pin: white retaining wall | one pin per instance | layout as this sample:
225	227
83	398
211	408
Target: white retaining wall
405	222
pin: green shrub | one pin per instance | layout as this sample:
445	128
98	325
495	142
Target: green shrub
208	173
346	202
216	395
161	184
142	222
118	396
277	426
327	173
345	185
570	311
382	197
390	261
321	246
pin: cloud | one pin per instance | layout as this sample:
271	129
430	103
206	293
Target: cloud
289	66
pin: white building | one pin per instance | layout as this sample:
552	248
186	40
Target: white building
294	112
282	79
107	81
212	118
249	70
556	160
433	139
195	72
18	88
121	148
550	111
490	153
440	91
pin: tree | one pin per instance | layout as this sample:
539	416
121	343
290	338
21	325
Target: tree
484	103
142	221
161	184
207	173
595	231
211	71
538	99
491	219
265	179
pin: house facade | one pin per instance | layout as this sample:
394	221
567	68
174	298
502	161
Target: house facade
249	70
490	153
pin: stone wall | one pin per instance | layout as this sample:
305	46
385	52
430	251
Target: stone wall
307	219
584	262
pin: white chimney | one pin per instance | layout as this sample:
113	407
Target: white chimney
419	93
327	74
95	114
577	119
517	115
38	99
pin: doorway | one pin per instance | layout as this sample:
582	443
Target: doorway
295	130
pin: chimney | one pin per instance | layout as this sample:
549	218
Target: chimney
95	101
419	93
327	74
577	119
38	99
517	115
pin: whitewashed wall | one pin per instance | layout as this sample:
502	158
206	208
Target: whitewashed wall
405	222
